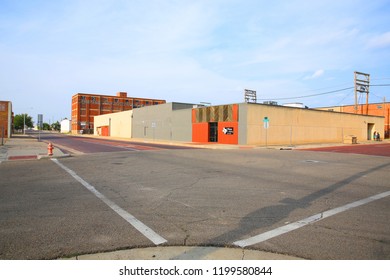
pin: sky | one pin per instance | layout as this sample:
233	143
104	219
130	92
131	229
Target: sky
191	51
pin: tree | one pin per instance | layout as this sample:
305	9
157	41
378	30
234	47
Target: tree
56	126
45	126
21	119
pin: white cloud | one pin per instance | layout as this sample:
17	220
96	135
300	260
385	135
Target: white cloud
379	41
315	75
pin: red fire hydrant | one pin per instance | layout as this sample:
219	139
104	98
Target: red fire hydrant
50	149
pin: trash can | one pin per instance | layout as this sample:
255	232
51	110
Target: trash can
350	139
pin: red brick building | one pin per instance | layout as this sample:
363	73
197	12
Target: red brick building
6	119
86	106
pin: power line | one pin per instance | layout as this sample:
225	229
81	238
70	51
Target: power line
382	85
311	95
319	94
347	95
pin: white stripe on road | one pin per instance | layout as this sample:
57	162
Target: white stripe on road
141	227
310	220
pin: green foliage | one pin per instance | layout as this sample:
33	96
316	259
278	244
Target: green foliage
56	126
21	119
46	126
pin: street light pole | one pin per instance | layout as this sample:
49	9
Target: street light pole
24	119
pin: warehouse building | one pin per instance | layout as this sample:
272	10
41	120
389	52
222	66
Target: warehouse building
242	124
372	109
170	121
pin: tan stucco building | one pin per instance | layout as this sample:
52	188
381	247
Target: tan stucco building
170	121
294	126
115	124
242	124
373	109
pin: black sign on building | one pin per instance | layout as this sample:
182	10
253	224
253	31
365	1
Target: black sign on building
228	130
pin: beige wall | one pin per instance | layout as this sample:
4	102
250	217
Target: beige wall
287	125
120	123
290	126
170	121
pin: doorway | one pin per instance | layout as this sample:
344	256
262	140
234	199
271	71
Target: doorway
213	132
370	130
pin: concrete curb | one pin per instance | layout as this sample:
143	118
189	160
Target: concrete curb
25	147
50	157
184	253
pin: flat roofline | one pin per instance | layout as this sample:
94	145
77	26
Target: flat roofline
377	103
311	109
115	96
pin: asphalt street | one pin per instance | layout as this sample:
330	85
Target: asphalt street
195	197
86	145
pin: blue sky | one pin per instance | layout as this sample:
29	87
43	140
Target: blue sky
190	51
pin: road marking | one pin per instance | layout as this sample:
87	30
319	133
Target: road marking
109	145
65	148
310	220
141	227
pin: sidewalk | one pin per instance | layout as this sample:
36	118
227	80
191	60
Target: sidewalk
185	253
24	147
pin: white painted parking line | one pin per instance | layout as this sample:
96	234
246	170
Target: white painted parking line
141	227
310	220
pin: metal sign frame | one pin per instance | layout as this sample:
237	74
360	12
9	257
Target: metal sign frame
250	96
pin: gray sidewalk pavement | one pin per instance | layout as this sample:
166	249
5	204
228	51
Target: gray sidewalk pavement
24	147
184	253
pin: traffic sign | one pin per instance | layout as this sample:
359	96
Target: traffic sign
266	122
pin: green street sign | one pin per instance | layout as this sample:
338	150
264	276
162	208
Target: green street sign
266	122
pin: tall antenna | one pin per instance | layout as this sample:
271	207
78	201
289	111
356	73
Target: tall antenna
362	85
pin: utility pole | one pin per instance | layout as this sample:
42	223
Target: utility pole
362	85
